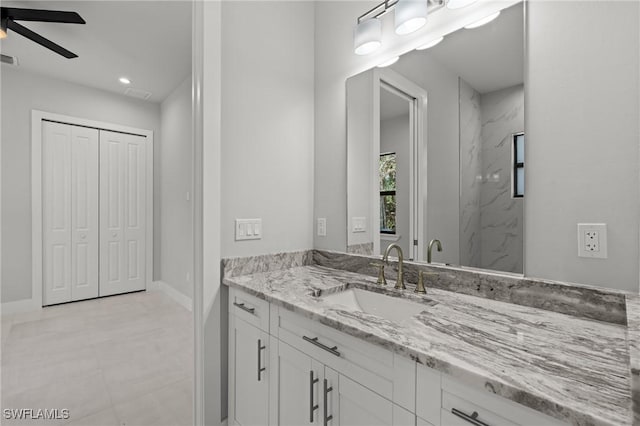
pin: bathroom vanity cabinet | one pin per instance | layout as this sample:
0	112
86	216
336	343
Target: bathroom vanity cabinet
287	369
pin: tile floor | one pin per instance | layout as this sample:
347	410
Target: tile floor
121	360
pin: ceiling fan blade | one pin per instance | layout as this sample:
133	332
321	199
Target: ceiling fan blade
39	15
26	32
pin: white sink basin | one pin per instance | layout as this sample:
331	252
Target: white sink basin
392	308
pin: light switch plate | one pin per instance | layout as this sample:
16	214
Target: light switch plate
592	240
322	227
248	229
359	224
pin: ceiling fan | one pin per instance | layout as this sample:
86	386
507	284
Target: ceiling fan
10	15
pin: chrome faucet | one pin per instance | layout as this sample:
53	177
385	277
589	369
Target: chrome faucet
400	282
431	243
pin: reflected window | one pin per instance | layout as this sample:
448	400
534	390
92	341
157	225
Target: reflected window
388	193
518	165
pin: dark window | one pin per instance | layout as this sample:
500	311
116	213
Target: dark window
388	193
518	165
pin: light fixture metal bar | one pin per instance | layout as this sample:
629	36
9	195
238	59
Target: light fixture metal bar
387	5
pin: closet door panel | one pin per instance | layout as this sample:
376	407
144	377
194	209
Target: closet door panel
84	213
122	212
56	199
135	212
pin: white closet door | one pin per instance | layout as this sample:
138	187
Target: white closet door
122	212
84	213
70	220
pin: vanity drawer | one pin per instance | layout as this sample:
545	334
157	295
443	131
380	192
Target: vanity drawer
492	409
389	375
456	411
249	308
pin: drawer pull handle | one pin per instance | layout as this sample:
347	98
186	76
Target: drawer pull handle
312	407
327	389
244	308
473	418
260	367
315	341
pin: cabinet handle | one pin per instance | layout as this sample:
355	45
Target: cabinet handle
260	367
473	418
244	308
327	389
314	341
312	407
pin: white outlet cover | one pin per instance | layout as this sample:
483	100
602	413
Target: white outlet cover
592	240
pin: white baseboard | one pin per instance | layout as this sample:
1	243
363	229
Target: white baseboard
184	301
19	306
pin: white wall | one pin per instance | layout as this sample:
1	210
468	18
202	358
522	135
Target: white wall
582	147
21	93
581	112
176	255
267	124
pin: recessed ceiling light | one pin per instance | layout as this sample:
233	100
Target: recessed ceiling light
457	4
389	62
430	43
483	21
124	80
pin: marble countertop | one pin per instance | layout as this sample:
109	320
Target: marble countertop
633	323
574	369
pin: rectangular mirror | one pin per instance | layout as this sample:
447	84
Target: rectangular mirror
435	150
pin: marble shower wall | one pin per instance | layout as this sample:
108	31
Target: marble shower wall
491	220
470	174
501	215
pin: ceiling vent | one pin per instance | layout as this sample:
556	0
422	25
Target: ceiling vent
9	60
137	93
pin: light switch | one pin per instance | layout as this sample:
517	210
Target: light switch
359	224
248	229
322	227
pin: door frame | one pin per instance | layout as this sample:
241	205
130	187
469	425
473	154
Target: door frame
418	158
37	236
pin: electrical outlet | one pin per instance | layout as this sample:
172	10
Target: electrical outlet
322	227
592	240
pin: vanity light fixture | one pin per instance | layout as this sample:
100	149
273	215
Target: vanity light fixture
389	62
483	21
430	43
410	15
459	4
124	80
367	36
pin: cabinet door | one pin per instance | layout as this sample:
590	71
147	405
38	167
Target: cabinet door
351	404
248	374
299	386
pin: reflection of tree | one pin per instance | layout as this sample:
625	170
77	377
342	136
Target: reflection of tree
388	193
